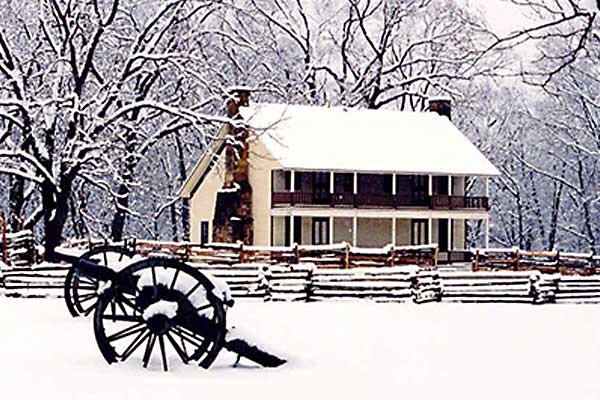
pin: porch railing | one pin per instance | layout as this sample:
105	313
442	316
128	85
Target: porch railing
379	200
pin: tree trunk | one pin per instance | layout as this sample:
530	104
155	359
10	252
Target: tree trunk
16	202
56	211
118	222
185	205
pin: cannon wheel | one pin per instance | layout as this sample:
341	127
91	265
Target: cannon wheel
125	322
81	291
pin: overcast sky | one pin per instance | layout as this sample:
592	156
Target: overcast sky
504	17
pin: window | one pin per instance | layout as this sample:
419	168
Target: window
419	233
204	232
321	182
298	230
286	231
321	187
420	184
344	183
287	180
320	230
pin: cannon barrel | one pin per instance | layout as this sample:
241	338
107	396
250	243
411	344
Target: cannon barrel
84	266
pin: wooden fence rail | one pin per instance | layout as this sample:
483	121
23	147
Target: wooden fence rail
515	259
340	255
17	249
306	282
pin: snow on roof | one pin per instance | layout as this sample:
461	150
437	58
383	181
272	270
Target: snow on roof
340	139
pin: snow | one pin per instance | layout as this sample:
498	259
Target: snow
187	285
161	307
340	139
591	5
337	350
104	287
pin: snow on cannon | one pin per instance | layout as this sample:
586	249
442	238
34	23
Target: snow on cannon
153	305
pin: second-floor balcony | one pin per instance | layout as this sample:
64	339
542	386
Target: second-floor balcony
368	190
384	200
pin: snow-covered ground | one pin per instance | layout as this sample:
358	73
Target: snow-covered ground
337	350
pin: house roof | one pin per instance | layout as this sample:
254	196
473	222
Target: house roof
339	139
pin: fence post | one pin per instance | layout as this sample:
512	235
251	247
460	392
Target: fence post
241	256
347	256
188	252
296	251
265	281
309	284
391	258
557	261
476	263
516	262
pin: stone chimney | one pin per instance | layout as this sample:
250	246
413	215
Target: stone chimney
233	220
441	105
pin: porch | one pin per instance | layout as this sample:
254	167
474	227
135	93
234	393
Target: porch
372	231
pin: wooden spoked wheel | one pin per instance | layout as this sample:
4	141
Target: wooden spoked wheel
81	292
160	309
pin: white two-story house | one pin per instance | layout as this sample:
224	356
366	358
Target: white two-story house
320	175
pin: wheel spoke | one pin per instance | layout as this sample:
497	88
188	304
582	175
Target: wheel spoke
153	270
184	335
192	290
132	330
131	304
182	354
122	308
134	344
87	297
126	318
86	287
148	351
163	355
174	279
88	310
113	306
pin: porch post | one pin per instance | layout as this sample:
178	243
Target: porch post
291	232
394	189
354	230
449	185
450	241
331	182
355	183
430	186
331	230
393	230
292	181
429	230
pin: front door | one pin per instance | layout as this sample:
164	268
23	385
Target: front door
443	234
320	230
419	232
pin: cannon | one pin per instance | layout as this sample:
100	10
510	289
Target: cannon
153	305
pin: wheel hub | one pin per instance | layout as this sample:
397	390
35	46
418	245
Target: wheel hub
159	324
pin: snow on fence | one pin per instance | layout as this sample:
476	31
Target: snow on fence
340	255
544	261
43	280
16	249
306	282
